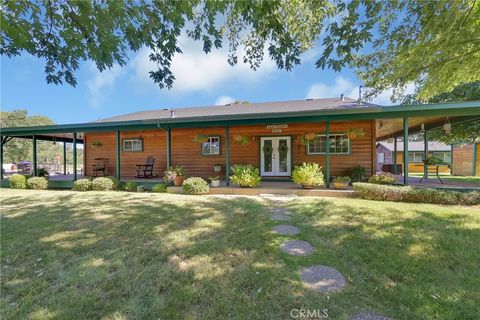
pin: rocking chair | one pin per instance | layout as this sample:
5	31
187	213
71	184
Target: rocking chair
99	166
146	170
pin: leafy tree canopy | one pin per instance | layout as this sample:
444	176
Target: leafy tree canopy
390	43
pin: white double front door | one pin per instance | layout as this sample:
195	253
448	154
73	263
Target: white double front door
275	156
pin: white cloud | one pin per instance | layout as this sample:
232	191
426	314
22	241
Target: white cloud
223	100
349	89
101	82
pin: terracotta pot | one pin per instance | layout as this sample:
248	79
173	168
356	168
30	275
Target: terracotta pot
340	185
307	186
178	181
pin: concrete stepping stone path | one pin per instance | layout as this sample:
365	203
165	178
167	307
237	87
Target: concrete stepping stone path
322	278
297	247
280	217
286	230
369	316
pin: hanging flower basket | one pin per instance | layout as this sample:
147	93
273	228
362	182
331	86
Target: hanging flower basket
201	138
354	133
307	137
97	144
243	140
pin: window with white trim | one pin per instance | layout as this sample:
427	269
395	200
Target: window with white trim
211	147
339	144
380	157
415	157
445	156
132	145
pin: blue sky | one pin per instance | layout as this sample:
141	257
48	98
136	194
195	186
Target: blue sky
201	80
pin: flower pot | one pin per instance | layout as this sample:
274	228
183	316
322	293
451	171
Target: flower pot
340	185
178	181
215	183
307	186
217	168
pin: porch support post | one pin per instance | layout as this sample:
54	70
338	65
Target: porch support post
227	155
327	152
395	140
425	153
1	157
169	148
74	156
117	158
64	158
34	144
405	151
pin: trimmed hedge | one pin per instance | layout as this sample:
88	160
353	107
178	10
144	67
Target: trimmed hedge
82	185
195	185
117	184
18	181
159	187
371	191
37	183
383	178
102	184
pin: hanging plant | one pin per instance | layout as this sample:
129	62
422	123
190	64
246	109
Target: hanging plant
97	144
243	140
354	133
201	138
307	137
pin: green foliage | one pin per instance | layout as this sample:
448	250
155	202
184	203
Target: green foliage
102	184
195	185
308	174
37	183
18	181
433	161
383	178
42	172
358	174
159	187
131	186
342	179
173	172
117	184
82	185
417	195
245	175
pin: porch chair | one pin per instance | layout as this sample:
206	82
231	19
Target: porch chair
99	166
146	170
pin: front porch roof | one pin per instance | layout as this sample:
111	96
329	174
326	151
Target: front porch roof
389	121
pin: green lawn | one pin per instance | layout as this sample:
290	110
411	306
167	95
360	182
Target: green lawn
67	255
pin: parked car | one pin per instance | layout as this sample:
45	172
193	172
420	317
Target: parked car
9	168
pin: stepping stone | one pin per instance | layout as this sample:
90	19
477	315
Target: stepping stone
369	316
280	210
297	247
322	278
286	230
280	217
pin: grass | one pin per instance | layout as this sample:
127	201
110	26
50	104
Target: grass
449	177
124	255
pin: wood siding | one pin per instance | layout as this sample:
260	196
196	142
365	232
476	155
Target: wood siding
463	160
187	153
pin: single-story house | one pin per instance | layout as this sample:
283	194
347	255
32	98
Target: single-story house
273	136
385	154
466	160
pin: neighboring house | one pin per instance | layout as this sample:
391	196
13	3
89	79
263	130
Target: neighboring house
466	160
415	154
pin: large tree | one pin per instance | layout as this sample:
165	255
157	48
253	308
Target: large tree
389	43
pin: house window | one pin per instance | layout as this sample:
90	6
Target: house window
380	157
132	145
339	144
211	147
445	156
415	157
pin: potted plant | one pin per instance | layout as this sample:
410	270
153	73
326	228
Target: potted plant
433	161
245	175
242	140
97	144
358	174
200	138
308	175
175	174
215	181
217	167
354	133
341	182
307	137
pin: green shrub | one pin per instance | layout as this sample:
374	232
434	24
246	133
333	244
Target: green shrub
245	175
159	187
18	181
131	186
417	195
102	184
195	185
37	183
82	185
117	184
308	174
383	178
358	174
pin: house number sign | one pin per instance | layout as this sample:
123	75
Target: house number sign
277	128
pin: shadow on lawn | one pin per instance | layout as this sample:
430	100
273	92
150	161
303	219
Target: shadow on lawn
67	255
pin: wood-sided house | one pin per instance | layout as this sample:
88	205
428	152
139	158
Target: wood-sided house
269	135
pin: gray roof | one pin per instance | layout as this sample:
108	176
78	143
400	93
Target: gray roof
245	109
417	146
